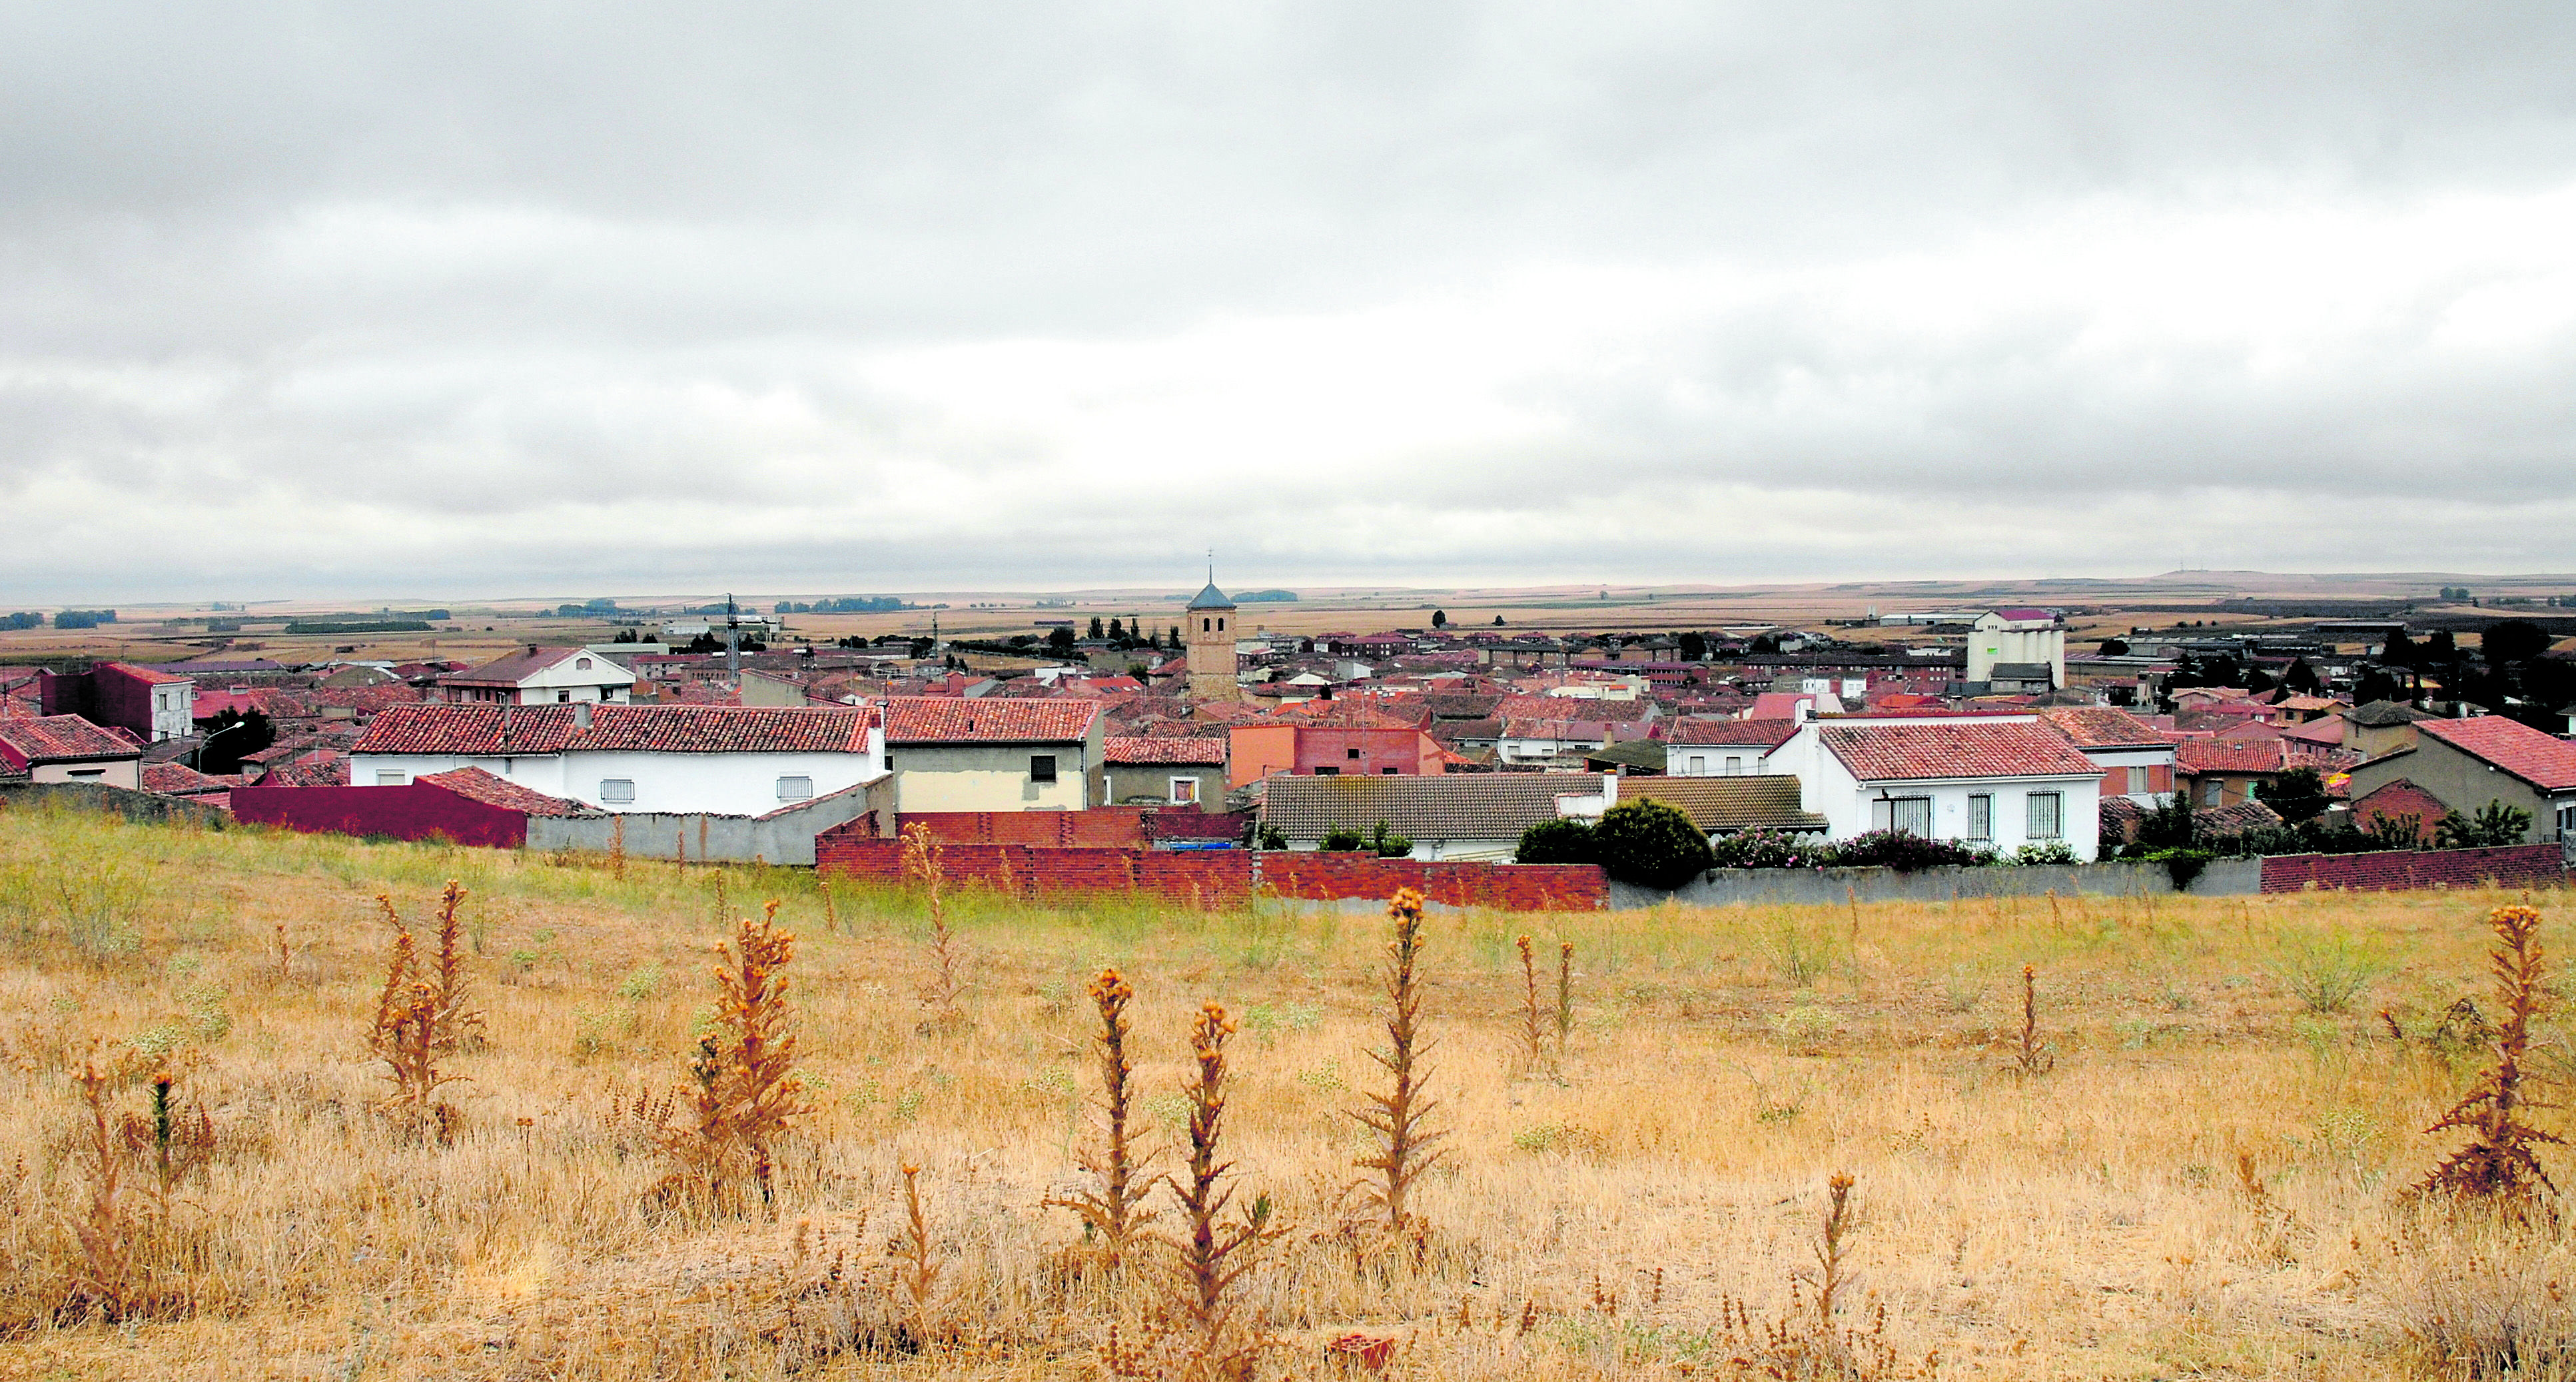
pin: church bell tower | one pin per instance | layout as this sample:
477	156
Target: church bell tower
1209	634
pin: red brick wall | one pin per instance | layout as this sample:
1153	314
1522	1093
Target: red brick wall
2515	866
415	811
1112	826
1226	877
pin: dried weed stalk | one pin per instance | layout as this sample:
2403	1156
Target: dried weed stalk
916	1279
947	979
2499	1163
1113	1205
1809	1343
1533	1022
1564	994
408	1035
747	1093
2031	1056
1217	1253
109	1279
1398	1117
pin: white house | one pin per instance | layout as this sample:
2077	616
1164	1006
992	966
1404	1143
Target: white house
541	676
716	759
2025	636
1996	781
1549	741
1723	748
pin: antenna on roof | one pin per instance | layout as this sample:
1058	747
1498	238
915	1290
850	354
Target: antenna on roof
733	642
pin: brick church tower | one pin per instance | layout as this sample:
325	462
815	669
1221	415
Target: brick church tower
1208	633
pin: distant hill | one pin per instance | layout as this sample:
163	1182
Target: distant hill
1265	597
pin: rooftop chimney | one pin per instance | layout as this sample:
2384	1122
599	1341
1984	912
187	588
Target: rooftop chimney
581	715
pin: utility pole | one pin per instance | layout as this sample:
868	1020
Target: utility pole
733	643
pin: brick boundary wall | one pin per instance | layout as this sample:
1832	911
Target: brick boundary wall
2513	866
1213	878
1123	827
413	811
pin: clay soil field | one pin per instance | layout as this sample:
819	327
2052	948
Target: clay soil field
2192	1163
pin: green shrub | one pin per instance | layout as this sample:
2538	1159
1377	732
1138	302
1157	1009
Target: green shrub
1651	844
1564	840
1905	852
1768	848
2326	972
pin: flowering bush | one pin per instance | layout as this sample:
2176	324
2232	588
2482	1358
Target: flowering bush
1767	848
2044	852
1905	852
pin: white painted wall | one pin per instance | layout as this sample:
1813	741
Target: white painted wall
729	784
1828	788
570	680
123	772
174	709
1990	645
1717	760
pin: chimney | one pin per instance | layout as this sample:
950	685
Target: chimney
581	715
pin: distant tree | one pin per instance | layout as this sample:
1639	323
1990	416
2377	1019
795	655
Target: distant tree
232	736
918	648
1651	844
1095	626
2302	678
2399	650
2115	647
2259	680
2169	825
1059	641
1341	839
2440	650
2221	670
2377	684
2514	640
2296	795
2494	826
1439	618
1116	629
1498	621
1764	645
1694	647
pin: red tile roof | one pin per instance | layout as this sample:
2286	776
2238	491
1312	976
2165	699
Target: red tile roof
495	730
1954	748
61	739
1142	751
2101	727
953	720
474	784
2231	756
2543	760
527	662
1770	734
1579	731
180	780
1564	707
148	675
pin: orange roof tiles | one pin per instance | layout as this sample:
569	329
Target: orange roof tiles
493	730
954	720
1954	748
2543	760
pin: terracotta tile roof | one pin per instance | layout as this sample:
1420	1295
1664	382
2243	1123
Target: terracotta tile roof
151	676
1769	734
475	784
1565	707
953	720
61	739
494	730
2326	730
2231	756
319	768
2543	760
2223	821
1190	751
180	780
1579	731
2101	727
1727	803
1953	748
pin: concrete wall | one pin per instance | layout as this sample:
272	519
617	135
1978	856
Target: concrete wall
1816	887
111	772
1228	877
114	801
995	777
781	837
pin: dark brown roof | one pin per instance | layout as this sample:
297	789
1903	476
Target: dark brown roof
1727	803
1452	806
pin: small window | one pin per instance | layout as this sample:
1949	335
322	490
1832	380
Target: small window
562	696
1386	772
1698	766
1911	815
1353	753
391	777
2139	781
581	664
1734	765
2211	791
1042	767
1220	626
795	789
2047	815
1328	772
1981	816
1185	791
619	790
85	772
1206	624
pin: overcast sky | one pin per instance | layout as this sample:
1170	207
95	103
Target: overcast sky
462	299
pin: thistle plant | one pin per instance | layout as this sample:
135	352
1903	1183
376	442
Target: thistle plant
1217	1253
410	1032
2499	1163
1398	1117
1533	1032
1113	1205
946	981
748	1092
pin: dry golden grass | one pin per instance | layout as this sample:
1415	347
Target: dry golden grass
1592	1217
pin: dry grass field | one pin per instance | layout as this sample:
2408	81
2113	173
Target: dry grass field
2196	1171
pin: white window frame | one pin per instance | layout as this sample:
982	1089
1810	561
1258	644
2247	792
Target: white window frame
1185	791
2141	780
392	777
617	791
1734	765
1697	766
796	787
2054	803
